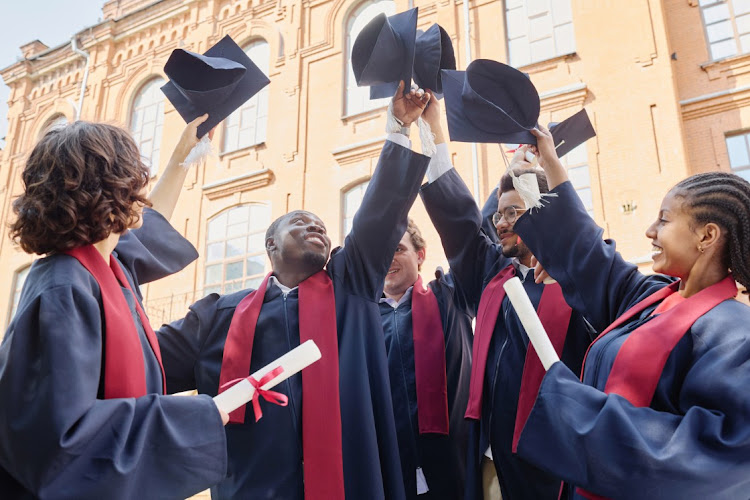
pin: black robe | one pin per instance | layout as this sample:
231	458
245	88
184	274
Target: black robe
265	457
58	437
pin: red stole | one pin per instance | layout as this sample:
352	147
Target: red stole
429	361
640	361
321	408
554	313
124	368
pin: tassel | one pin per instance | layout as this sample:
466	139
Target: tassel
427	137
199	153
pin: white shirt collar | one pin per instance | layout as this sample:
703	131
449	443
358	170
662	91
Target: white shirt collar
523	270
406	296
284	289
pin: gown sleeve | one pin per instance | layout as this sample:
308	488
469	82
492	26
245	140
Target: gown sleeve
59	440
608	446
155	250
595	279
472	255
381	220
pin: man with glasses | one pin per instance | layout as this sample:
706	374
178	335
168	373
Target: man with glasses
505	376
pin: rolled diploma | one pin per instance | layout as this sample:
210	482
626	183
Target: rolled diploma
293	362
531	323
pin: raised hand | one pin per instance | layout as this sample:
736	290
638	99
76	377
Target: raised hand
547	156
408	107
189	138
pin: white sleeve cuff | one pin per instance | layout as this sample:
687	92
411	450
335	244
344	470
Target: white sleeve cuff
440	163
399	139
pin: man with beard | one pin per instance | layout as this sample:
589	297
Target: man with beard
336	438
505	375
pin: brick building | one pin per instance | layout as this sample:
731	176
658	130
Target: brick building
666	83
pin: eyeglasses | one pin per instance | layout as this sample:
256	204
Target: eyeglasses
510	215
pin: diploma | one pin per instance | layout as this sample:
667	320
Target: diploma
531	323
292	362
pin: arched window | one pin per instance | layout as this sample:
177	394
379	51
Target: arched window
538	30
247	125
351	200
236	249
358	98
147	120
18	280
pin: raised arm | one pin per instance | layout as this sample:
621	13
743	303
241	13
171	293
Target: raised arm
381	220
595	279
59	441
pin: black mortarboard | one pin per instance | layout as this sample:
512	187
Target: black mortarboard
383	53
493	102
434	52
217	82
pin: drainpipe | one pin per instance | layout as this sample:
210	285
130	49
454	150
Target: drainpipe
474	153
85	55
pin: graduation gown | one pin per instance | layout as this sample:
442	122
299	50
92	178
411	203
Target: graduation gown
442	458
694	439
475	259
265	457
58	437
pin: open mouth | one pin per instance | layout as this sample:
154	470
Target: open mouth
393	271
656	251
317	239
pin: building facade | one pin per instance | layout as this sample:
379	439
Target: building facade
665	82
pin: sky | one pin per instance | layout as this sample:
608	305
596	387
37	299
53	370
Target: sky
52	22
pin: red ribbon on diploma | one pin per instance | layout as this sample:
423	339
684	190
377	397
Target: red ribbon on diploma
271	396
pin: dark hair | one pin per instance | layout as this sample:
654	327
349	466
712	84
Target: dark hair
724	199
415	235
80	184
506	181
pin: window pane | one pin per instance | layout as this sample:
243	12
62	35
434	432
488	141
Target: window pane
213	274
214	251
239	215
211	289
256	242
564	39
542	49
235	286
561	12
723	49
741	7
716	13
577	155
534	7
237	230
579	176
236	246
745	174
540	27
520	55
260	217
719	31
217	228
255	265
253	282
146	118
233	271
738	154
240	131
517	23
743	24
745	43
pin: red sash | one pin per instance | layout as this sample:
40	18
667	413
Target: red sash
124	367
429	361
640	361
321	408
554	313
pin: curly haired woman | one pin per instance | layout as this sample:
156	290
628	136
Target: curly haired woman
83	411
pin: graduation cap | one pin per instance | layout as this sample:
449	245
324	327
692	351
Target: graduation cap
494	102
383	53
216	82
434	52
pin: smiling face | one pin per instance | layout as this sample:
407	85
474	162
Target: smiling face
404	269
674	238
509	241
299	241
